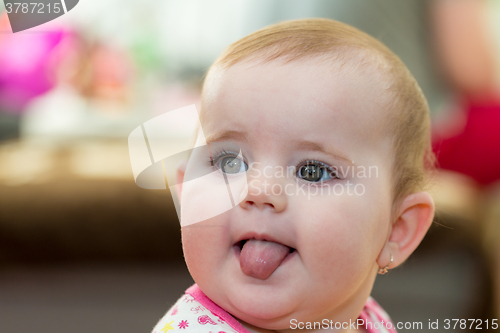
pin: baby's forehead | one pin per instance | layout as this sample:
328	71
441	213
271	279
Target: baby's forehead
355	92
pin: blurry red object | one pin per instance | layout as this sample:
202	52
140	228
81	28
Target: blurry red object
475	151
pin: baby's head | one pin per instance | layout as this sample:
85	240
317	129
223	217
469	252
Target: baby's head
343	111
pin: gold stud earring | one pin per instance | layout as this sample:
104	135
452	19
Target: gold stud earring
384	270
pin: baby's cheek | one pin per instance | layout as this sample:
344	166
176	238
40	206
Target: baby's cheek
338	241
201	246
192	248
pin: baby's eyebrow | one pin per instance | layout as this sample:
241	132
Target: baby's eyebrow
310	145
302	145
227	135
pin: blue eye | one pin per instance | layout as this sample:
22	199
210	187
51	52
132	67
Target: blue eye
233	165
314	172
230	164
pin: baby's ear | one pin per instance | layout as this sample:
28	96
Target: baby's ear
415	215
179	178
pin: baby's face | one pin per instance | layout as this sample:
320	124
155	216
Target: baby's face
296	253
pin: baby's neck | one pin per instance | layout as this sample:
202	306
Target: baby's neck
254	329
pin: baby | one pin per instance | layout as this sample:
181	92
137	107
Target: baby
301	249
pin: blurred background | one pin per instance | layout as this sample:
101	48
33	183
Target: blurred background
83	249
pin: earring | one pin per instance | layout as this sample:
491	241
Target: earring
384	270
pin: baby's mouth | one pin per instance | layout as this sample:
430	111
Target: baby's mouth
260	258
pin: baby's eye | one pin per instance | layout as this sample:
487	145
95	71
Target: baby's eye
231	164
313	171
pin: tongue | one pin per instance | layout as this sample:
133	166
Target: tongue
261	258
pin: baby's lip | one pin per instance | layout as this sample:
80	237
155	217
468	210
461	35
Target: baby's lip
257	236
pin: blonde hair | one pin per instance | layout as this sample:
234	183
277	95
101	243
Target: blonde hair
409	119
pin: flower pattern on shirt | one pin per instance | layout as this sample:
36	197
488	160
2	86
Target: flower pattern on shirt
184	324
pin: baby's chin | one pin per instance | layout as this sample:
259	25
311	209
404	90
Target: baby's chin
270	320
262	308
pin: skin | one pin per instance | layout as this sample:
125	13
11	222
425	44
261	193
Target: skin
340	240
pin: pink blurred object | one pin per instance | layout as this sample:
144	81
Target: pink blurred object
25	65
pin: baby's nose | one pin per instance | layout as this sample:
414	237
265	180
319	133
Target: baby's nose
265	194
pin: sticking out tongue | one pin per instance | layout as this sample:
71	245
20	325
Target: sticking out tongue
261	258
